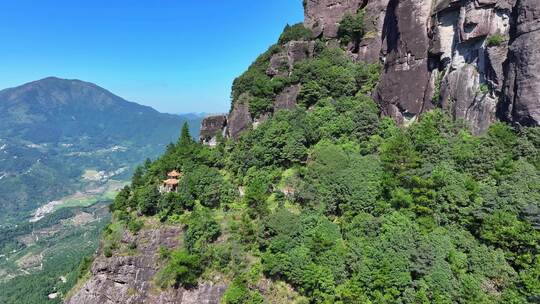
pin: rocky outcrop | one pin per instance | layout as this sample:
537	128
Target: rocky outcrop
406	75
211	128
522	83
369	48
239	119
476	59
127	276
287	98
438	53
282	63
323	16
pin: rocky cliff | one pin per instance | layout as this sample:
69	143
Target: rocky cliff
476	59
470	57
127	275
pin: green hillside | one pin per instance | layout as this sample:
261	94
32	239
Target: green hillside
342	206
53	130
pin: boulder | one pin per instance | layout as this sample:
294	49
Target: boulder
496	56
282	63
477	22
279	65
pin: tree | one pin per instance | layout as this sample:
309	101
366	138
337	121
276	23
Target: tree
147	199
202	229
182	268
185	137
351	28
295	33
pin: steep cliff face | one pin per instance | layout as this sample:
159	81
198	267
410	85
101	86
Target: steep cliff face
446	53
324	16
127	276
476	59
522	86
212	127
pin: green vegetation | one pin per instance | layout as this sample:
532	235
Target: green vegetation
182	268
65	239
331	73
351	28
436	99
373	213
495	40
330	203
295	32
49	156
483	89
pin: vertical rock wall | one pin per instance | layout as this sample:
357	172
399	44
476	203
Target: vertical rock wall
323	16
443	53
522	75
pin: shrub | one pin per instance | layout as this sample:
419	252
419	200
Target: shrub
202	230
483	89
351	28
496	40
183	269
295	33
135	225
107	251
84	267
239	293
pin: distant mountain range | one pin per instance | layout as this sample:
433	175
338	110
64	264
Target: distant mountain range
53	131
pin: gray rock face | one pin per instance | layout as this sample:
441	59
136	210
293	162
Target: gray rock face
287	98
443	44
522	83
369	49
211	127
406	75
128	278
323	16
239	119
282	63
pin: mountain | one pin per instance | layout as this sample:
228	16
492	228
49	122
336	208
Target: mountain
476	60
54	110
66	148
383	151
54	130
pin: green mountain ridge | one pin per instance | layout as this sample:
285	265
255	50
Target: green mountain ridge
328	202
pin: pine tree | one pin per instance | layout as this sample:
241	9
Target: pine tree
185	136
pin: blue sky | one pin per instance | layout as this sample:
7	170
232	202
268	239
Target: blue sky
177	56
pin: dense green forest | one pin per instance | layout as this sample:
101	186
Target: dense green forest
345	206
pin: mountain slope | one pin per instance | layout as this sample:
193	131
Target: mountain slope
53	110
66	148
53	130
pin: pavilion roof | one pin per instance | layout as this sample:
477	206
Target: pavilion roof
174	174
170	182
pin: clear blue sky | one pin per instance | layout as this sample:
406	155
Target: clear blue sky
177	56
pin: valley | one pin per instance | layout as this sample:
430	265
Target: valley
66	148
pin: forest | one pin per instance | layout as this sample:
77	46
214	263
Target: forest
348	208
